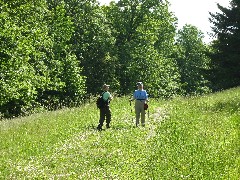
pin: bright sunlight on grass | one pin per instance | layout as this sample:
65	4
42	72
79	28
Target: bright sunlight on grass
185	138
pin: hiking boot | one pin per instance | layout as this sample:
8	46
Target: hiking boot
107	126
99	128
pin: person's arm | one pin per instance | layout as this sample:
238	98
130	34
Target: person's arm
110	97
133	97
147	100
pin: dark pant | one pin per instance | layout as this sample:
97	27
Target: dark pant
104	112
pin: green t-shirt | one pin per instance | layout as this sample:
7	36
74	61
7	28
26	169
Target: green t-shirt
106	96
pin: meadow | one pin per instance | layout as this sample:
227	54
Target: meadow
184	138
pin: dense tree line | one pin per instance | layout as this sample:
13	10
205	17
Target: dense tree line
226	48
55	53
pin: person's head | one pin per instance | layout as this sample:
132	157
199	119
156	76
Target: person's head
140	85
105	87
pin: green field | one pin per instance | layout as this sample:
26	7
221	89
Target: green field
184	138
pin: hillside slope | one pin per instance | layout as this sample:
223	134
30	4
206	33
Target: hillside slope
185	138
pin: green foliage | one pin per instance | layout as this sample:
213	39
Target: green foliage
225	59
185	138
160	73
54	52
192	60
62	61
92	43
34	56
143	46
22	36
74	82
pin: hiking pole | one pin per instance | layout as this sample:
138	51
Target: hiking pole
130	101
130	104
148	108
148	113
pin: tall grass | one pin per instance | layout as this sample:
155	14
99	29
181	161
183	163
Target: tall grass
185	138
200	140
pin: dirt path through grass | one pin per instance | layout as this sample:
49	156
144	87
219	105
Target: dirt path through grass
92	152
195	137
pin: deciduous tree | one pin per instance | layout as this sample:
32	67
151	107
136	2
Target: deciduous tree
192	60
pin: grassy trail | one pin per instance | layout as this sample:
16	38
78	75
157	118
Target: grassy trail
185	138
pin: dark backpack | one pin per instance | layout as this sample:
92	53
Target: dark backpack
100	102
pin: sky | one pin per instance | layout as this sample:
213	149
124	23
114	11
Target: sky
193	12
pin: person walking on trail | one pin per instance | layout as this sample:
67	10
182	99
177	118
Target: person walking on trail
141	98
105	109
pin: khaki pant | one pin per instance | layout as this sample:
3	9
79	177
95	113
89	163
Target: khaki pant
139	110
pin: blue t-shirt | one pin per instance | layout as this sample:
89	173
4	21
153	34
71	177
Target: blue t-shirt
140	94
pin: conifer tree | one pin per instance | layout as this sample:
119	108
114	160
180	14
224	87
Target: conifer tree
226	56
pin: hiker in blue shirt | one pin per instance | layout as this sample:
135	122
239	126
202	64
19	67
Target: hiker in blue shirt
141	98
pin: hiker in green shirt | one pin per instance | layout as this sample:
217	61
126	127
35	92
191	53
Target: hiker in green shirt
105	110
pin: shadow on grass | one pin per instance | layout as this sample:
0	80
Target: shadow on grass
113	126
229	106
